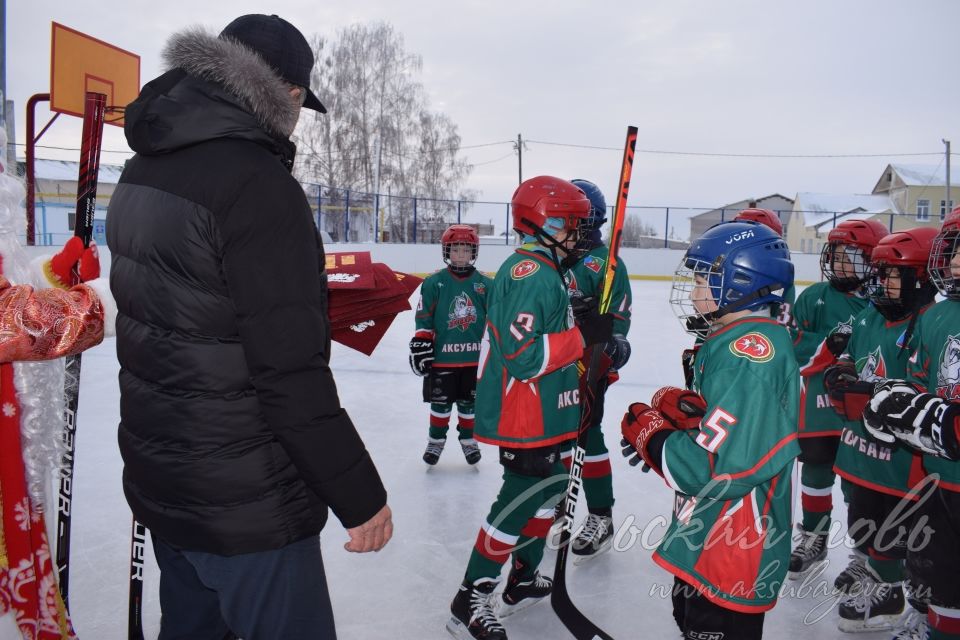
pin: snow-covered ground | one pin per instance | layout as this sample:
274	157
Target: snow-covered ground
405	590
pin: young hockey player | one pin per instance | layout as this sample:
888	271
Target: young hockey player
782	312
827	309
727	448
527	401
450	319
596	533
924	414
881	476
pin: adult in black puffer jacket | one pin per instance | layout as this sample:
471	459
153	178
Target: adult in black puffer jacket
232	435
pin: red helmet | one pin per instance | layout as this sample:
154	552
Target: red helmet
845	259
763	216
945	247
906	251
459	234
543	197
909	248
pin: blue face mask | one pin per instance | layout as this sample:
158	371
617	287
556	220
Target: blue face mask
553	227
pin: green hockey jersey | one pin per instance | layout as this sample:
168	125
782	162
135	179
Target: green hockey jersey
585	277
527	384
819	311
875	349
454	310
935	365
733	477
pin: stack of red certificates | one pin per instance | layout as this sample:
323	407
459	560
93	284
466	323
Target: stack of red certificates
365	297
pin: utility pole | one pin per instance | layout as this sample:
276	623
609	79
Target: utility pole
947	205
518	147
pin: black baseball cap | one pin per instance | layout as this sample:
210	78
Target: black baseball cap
281	45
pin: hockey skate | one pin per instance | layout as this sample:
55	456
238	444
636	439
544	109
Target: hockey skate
522	591
852	579
595	537
472	612
471	450
877	608
912	626
809	554
434	449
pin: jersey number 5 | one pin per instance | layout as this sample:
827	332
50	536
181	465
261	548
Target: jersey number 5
714	430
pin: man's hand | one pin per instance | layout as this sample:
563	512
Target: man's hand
373	534
595	327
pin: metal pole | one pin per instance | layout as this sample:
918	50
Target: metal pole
506	235
948	206
30	162
666	229
414	219
346	219
519	159
319	207
459	202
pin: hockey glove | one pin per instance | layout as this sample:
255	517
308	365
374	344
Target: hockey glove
928	424
421	355
848	394
681	408
595	327
618	350
889	396
59	269
836	342
639	425
687	359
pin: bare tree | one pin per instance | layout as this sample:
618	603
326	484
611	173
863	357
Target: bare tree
379	122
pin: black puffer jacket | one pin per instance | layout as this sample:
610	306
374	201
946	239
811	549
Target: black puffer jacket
232	434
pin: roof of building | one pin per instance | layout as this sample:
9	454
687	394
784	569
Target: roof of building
818	208
70	170
743	204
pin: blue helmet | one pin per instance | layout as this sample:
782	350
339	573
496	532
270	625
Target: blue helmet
745	264
598	205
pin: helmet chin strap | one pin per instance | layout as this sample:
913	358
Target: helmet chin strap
742	302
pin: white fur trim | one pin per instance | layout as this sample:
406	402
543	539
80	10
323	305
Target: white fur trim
101	286
39	274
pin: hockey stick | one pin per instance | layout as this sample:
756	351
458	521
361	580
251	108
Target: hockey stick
93	112
578	624
138	545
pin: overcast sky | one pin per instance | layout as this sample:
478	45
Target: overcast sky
710	76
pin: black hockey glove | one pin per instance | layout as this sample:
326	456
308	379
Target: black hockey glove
687	359
619	351
836	342
421	355
889	397
928	425
848	394
595	327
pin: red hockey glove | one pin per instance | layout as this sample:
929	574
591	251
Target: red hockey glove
59	269
638	426
848	394
682	408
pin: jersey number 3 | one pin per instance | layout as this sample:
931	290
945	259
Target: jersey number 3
714	430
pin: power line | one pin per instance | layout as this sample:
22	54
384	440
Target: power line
738	155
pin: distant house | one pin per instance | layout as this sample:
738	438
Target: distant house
918	192
775	202
815	214
56	199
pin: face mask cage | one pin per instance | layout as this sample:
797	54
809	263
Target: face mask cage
944	252
685	283
845	266
460	268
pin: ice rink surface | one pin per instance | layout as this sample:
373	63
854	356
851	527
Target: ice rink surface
405	590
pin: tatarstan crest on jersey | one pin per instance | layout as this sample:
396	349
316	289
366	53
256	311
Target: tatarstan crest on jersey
753	346
948	376
462	313
480	288
523	269
593	263
872	367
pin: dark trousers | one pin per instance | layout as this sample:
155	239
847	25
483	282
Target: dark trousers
700	619
255	596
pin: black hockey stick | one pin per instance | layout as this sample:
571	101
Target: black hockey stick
138	546
578	624
93	112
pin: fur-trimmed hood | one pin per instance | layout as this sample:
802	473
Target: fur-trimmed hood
213	89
